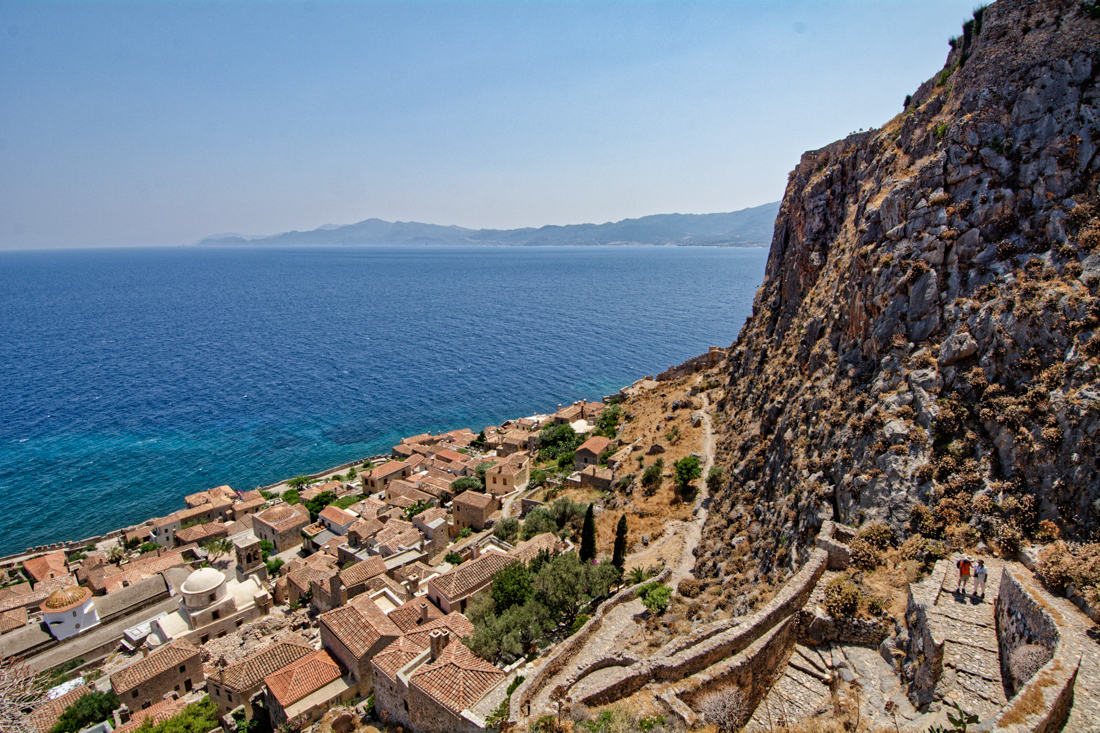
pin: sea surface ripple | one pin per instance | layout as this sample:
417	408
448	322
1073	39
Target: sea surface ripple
129	378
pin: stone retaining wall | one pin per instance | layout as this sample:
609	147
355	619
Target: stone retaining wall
1043	704
924	646
712	358
684	662
565	654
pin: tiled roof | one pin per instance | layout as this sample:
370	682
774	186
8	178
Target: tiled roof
141	569
395	656
154	714
392	529
365	528
337	516
250	671
281	515
202	532
470	575
360	572
597	444
387	469
407	617
45	716
457	679
303	677
474	499
422	438
45	567
39	593
430	515
451	456
14	619
528	550
456	624
304	577
359	627
172	655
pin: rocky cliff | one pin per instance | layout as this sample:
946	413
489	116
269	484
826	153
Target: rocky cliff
923	349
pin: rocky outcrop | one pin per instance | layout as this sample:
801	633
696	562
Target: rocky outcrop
923	349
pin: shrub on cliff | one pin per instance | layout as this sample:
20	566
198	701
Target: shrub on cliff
865	556
651	477
1025	661
725	709
689	587
841	597
878	534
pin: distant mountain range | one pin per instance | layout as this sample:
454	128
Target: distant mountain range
745	228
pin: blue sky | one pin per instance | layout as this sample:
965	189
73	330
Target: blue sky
157	123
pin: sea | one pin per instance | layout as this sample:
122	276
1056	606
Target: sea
132	377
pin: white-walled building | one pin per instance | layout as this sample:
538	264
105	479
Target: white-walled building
212	606
69	611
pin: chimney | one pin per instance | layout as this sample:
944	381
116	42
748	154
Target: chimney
435	640
475	552
412	585
221	675
122	716
423	613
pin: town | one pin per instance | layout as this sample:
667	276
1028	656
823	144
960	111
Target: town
416	589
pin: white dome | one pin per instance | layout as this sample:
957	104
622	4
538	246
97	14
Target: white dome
204	580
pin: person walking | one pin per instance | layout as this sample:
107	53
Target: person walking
964	573
980	575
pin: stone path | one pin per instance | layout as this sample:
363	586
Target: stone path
620	625
971	655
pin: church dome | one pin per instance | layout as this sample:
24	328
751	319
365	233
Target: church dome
64	598
277	514
204	580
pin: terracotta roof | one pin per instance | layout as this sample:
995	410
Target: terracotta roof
451	456
141	569
45	567
360	627
528	550
171	655
360	572
252	495
45	715
422	438
154	714
304	577
474	499
597	444
458	678
470	575
250	671
337	516
36	595
14	619
392	529
395	656
202	532
303	677
387	469
430	515
365	528
407	617
282	514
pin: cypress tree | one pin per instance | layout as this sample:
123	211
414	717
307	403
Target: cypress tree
588	536
619	558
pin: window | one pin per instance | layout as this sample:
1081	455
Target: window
221	634
146	704
74	614
240	622
134	694
215	615
177	689
78	624
183	668
204	638
213	597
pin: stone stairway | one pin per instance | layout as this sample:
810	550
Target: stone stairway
971	655
800	692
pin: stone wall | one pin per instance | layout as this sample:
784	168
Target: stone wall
1020	621
686	661
712	358
565	654
924	646
1043	704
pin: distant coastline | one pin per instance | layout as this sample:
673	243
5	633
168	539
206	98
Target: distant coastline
751	227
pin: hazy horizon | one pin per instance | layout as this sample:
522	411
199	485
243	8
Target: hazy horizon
154	124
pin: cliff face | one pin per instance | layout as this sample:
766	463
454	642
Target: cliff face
923	349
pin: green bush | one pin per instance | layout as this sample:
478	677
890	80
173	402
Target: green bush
506	529
655	596
651	476
198	717
93	708
453	558
467	483
578	624
879	534
865	556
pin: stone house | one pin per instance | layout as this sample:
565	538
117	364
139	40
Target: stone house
379	477
336	520
390	667
452	591
165	528
473	509
413	613
433	525
177	667
305	689
211	606
354	634
281	525
127	721
396	536
331	487
46	715
236	684
447	684
509	475
339	587
581	410
201	533
589	452
598	477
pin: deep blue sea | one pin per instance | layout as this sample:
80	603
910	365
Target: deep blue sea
129	378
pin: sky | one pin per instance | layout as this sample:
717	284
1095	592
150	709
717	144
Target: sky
157	123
